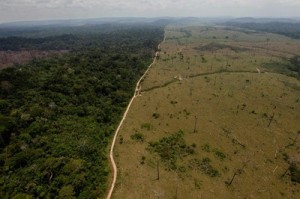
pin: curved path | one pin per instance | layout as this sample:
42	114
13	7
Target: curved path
136	93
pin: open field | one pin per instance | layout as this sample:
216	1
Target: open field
218	117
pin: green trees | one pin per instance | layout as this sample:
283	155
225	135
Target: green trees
295	64
283	28
6	127
171	148
57	114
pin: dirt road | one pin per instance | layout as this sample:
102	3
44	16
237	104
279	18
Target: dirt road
136	93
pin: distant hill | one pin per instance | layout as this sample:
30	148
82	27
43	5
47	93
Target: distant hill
263	20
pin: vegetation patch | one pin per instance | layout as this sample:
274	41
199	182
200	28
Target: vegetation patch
204	166
57	115
155	115
283	28
146	126
283	67
206	147
217	46
295	173
220	155
138	137
171	148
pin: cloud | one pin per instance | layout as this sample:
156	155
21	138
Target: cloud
47	9
136	4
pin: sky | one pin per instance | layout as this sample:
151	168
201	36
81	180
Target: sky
27	10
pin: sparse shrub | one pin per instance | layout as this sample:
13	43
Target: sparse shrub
203	60
143	160
204	166
146	126
253	112
198	184
121	140
173	102
265	115
220	155
186	112
206	160
182	169
206	147
295	173
155	115
137	137
285	156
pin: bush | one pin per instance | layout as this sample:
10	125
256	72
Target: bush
171	148
155	115
137	137
206	147
147	126
295	173
204	166
220	155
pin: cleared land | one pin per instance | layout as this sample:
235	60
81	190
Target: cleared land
11	58
216	119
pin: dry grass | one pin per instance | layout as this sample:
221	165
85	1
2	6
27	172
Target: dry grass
232	105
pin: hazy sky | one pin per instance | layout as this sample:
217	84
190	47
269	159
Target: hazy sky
20	10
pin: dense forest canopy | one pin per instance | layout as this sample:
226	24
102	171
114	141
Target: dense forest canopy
76	39
288	29
57	114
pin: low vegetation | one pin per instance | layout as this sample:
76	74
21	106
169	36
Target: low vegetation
290	67
204	166
241	114
138	137
218	46
295	173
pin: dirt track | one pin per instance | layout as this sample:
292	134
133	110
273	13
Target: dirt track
136	94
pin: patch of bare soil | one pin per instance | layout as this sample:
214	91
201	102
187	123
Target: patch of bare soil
11	58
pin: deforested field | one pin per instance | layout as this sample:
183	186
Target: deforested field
218	117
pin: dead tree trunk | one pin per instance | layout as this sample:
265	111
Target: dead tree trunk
285	172
271	119
229	183
195	126
158	170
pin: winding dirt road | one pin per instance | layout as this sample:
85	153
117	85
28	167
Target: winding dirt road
136	94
